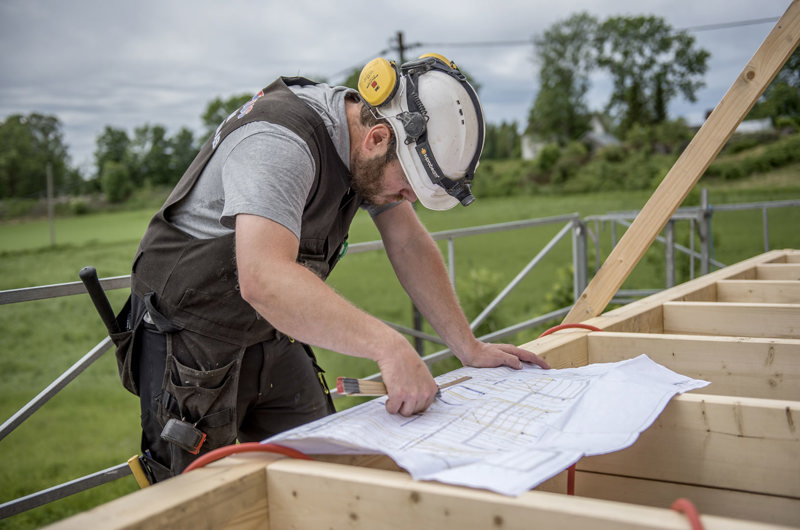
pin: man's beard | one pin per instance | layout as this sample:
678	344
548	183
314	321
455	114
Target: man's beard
367	180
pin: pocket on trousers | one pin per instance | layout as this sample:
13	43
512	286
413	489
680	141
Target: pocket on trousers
204	398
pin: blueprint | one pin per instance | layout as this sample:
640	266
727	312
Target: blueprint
505	430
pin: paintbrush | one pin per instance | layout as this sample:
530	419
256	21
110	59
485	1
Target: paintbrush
349	386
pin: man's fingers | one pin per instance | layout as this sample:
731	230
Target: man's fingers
524	355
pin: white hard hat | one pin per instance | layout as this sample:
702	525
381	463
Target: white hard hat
438	122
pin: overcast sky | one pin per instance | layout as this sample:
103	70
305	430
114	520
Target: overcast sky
94	63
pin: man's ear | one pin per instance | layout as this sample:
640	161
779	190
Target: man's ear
377	139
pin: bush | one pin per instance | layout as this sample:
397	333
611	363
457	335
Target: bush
79	206
548	157
483	285
13	208
116	182
726	169
574	155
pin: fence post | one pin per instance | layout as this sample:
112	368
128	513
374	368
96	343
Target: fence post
766	228
579	258
669	252
705	232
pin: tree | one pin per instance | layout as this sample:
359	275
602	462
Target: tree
781	99
650	64
149	156
112	146
566	58
28	144
218	110
115	181
182	151
502	141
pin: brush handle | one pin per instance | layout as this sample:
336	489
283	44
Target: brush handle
366	387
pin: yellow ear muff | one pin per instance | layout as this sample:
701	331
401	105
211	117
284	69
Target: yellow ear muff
378	81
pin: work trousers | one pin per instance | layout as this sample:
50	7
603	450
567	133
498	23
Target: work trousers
226	393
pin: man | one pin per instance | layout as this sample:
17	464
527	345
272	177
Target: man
228	282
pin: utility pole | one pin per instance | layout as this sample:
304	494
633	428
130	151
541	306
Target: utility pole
401	49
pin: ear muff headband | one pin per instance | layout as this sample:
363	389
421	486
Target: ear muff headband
378	81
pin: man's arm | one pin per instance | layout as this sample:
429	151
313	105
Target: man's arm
301	305
419	267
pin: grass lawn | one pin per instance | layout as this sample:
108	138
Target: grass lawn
93	423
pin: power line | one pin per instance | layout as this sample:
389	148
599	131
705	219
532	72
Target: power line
726	25
707	27
400	47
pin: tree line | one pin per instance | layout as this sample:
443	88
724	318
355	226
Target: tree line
648	63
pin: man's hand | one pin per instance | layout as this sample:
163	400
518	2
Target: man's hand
410	386
487	355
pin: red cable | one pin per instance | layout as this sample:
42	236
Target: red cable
686	507
566	326
571	469
249	447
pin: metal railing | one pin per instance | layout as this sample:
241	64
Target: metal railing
700	219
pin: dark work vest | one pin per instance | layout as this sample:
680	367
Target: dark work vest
195	280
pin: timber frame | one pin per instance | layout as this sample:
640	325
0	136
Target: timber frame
732	448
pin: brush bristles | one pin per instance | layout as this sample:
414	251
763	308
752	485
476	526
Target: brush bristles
349	385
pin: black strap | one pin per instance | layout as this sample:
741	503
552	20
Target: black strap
161	322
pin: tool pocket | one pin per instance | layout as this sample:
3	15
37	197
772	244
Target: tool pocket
200	386
124	341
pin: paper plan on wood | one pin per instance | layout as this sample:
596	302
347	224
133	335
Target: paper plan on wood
505	430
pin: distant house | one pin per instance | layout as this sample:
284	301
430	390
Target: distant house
755	126
595	138
531	146
598	137
746	126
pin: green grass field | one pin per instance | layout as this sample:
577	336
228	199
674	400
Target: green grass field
93	423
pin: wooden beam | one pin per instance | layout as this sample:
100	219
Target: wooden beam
766	291
734	319
645	315
769	509
735	366
690	166
563	349
227	493
742	444
778	271
310	495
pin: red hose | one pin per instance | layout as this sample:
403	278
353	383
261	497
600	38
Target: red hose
686	507
566	326
249	447
571	470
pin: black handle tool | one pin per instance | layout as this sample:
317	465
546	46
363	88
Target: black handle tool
98	295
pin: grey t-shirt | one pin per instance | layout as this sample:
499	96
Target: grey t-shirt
263	169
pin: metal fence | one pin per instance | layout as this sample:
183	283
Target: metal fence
580	230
